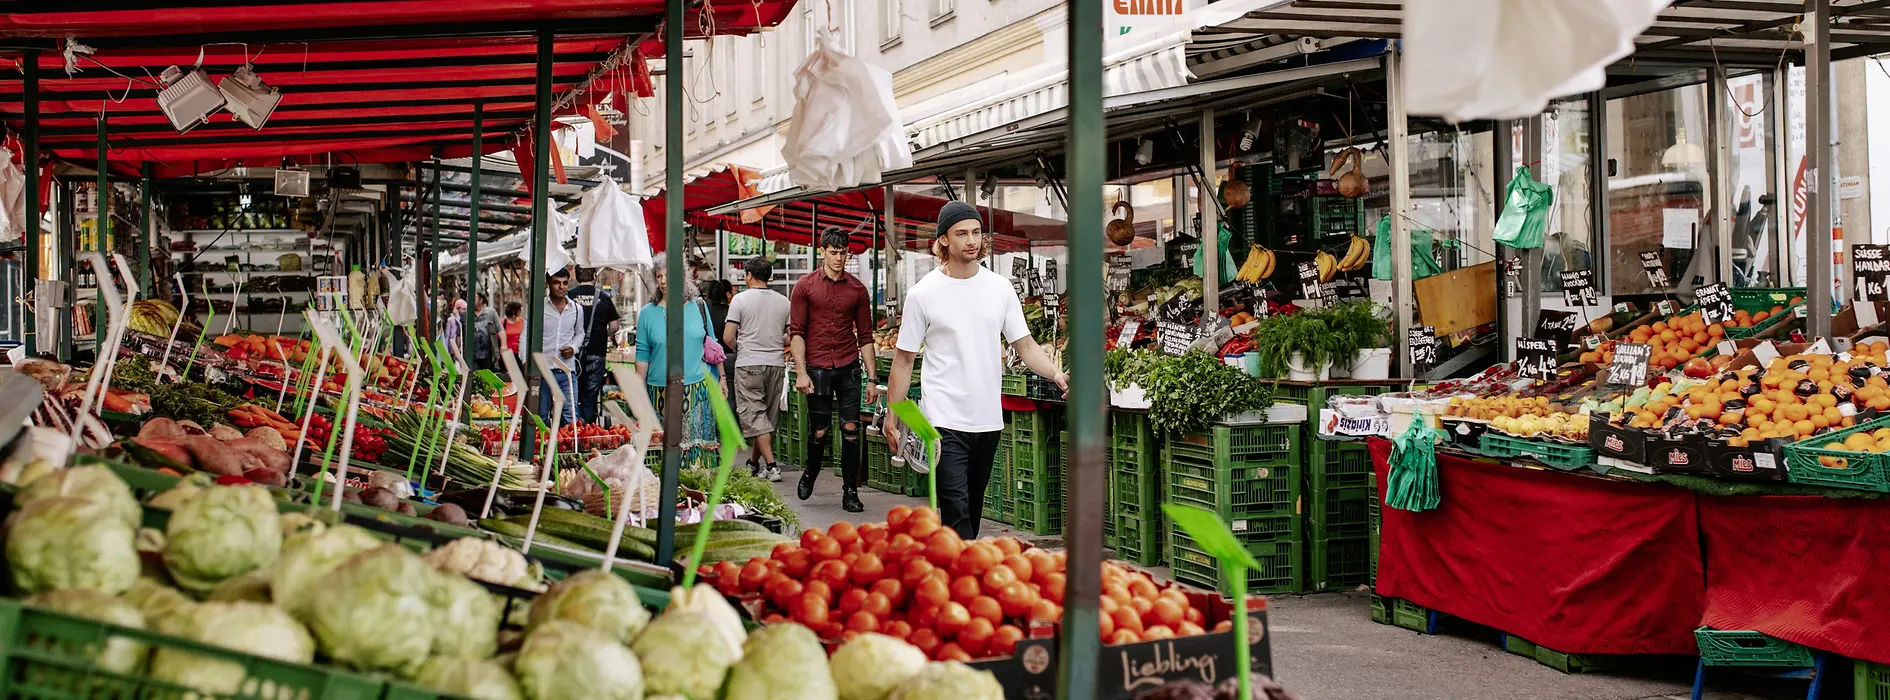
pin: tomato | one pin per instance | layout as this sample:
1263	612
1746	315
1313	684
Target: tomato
892	589
986	607
1188	629
899	629
965	588
873	532
832	572
772	565
1140	587
820	587
925	639
851	600
976	559
782	549
901	544
797	563
952	617
1015	600
831	630
1019	565
879	548
1106	605
1143	607
1004	640
922	524
811	610
916	572
773	619
729	586
1041	563
844	533
1124	637
849	558
931	592
925	617
1046	611
1166	613
1126	619
1193	614
867	569
784	591
1106	624
950	651
811	535
975	638
863	621
727	569
896	518
1053	588
1008	545
1223	625
1158	632
997	577
943	547
753	574
826	548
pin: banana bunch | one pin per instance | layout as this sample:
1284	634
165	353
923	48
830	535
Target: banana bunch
1328	266
1357	254
1259	265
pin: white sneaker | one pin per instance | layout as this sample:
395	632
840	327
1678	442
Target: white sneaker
774	474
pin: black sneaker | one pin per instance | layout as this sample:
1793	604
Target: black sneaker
850	501
808	475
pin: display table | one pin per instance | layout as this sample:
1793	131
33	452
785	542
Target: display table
1815	571
1577	564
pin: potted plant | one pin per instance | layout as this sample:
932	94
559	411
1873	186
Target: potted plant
1298	346
1360	339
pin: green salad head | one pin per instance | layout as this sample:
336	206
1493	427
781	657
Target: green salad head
565	659
376	612
684	654
478	679
222	533
597	599
870	666
467	618
121	654
250	628
308	558
56	543
92	483
949	680
781	662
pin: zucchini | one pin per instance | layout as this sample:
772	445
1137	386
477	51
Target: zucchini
517	531
589	536
739	525
740	551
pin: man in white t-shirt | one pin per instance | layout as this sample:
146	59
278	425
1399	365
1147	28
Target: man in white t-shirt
963	315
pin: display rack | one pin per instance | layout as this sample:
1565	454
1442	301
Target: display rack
242	243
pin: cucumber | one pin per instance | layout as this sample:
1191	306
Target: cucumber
739	525
517	531
734	551
767	543
588	536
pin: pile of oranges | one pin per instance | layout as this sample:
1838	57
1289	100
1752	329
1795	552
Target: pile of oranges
1793	397
1675	340
1746	319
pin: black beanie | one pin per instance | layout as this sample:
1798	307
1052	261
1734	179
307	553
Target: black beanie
952	213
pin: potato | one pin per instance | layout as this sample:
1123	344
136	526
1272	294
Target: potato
380	498
449	514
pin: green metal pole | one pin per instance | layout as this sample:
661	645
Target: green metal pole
433	323
101	230
29	66
1078	648
144	238
472	237
673	272
67	246
541	195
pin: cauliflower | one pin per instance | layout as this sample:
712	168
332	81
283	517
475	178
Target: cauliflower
949	680
871	665
783	662
484	560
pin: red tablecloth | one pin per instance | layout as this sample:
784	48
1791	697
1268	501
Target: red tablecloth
1580	565
1815	571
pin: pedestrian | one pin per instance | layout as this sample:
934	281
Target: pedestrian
698	428
455	325
958	313
563	337
757	329
600	325
718	294
830	328
514	326
488	336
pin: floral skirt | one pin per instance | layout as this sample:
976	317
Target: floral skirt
699	438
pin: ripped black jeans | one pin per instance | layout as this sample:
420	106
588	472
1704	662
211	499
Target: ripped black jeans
836	390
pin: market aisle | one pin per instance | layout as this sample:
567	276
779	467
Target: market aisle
824	508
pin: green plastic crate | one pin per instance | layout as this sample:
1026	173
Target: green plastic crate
1375	515
1137	541
1233	492
1341	513
1863	471
1401	613
1519	646
1334	464
1578	663
1013	384
1263	443
1872	681
1762	299
997	501
1337	564
879	470
916	484
1551	453
49	656
1747	648
1279	570
1314	395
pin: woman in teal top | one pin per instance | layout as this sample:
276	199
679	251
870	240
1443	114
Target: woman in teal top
699	433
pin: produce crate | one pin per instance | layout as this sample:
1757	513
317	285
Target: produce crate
1236	493
1762	299
883	363
1337	564
49	655
1134	483
1551	453
653	458
1863	471
1872	681
1374	514
1258	444
1578	663
1401	613
1339	513
1519	646
1279	570
880	473
997	501
1138	541
1013	384
1335	464
916	484
1037	500
1041	389
1747	648
1314	395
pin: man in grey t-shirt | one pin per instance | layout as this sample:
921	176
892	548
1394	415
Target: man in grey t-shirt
757	330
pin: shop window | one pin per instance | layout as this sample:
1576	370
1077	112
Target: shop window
1657	170
1752	193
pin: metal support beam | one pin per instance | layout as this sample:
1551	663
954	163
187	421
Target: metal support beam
673	282
892	252
29	282
1818	168
1078	647
1210	224
433	267
590	26
1719	165
472	236
540	175
144	236
1531	274
1503	153
1778	110
101	232
1398	138
68	244
1598	189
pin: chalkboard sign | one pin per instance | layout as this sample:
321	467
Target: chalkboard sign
1870	270
1655	270
1052	304
1127	336
1119	273
1017	285
1629	367
1309	285
1050	271
1715	302
1176	338
1558	326
1578	288
1423	342
1535	358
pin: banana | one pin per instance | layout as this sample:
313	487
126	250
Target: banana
1256	261
1272	261
1328	266
1355	254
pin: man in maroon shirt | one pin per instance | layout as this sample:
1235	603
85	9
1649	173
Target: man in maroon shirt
830	328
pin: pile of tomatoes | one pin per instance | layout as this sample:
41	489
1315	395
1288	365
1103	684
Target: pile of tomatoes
910	578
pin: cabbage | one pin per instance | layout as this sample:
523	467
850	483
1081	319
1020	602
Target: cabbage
161	605
96	484
871	665
56	543
595	598
222	533
949	680
374	611
253	587
308	558
782	662
682	653
479	679
706	600
295	523
121	654
181	492
564	659
466	618
250	628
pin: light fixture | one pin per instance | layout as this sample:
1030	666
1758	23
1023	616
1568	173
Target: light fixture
1250	133
990	185
188	99
248	97
290	180
1682	155
1145	153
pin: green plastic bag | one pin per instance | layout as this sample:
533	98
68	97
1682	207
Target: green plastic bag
1525	212
1423	261
1228	266
1411	483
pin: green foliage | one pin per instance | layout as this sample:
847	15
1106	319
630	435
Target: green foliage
1354	326
1124	366
1306	333
746	490
1189	392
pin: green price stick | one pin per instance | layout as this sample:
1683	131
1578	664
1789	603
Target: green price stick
428	420
1207	529
732	445
347	397
909	414
212	308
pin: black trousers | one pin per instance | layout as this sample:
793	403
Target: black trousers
836	390
964	472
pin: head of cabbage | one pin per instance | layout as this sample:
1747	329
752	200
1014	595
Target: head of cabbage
781	662
683	653
120	654
251	628
565	659
182	491
222	533
478	679
307	559
92	483
467	618
162	606
375	612
949	680
58	542
595	598
870	666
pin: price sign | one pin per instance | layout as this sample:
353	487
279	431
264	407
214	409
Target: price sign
1118	273
1050	271
1176	338
1311	287
1629	367
1127	336
1535	358
1578	288
1715	302
1655	270
1870	272
1052	304
1512	276
1423	343
1017	284
1558	326
1036	282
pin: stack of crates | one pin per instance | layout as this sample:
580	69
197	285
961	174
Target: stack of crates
1036	480
997	499
1337	484
1249	475
790	433
880	473
1133	518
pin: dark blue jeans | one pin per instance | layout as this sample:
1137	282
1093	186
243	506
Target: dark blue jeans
590	393
570	398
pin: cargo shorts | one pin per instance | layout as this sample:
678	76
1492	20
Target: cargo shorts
758	398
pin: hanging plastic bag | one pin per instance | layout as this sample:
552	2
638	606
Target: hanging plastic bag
611	229
402	309
563	228
1423	260
1485	59
12	198
1525	212
1228	267
1411	483
846	129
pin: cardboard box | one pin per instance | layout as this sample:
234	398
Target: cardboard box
1616	442
1751	463
1684	455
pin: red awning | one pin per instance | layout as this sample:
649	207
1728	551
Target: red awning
384	81
861	212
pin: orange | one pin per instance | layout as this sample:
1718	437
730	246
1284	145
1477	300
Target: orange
1804	427
1659	326
1826	400
1833	416
1716	330
1793	412
1819	421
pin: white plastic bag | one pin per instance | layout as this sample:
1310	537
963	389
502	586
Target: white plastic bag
1486	59
12	198
846	129
562	229
402	310
611	230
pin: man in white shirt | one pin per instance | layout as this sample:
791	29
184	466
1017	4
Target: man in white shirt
563	336
959	313
757	331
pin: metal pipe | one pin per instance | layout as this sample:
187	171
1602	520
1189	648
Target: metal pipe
472	234
431	321
1504	158
1818	161
673	276
144	240
101	230
1398	139
541	180
1719	164
29	282
1210	224
1598	189
67	245
1078	647
1531	274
